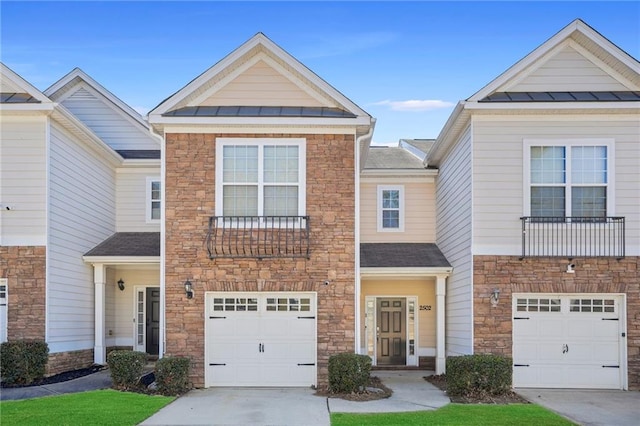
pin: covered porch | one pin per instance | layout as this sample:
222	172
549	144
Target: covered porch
128	296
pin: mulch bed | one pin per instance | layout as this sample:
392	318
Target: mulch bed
375	390
510	397
59	378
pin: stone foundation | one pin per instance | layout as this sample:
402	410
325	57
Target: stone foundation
493	325
67	361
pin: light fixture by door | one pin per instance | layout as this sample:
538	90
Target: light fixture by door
494	297
121	284
188	289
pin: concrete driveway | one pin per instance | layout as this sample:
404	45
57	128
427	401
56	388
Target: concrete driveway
589	407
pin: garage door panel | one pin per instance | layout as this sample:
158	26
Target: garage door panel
567	345
261	347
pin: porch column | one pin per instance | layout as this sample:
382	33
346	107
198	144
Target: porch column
441	290
99	279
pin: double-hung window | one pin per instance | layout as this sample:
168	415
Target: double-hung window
260	177
569	178
154	200
390	208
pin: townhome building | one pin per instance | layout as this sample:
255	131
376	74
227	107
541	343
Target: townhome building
247	223
538	211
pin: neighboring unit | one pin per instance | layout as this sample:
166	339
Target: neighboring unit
538	199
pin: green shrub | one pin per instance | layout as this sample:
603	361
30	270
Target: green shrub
172	375
480	374
126	368
23	361
348	373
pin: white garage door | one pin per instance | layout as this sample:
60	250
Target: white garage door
260	339
568	341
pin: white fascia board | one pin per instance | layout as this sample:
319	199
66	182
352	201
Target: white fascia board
27	108
122	260
209	129
370	272
141	163
448	134
553	106
374	175
97	88
72	123
260	121
17	80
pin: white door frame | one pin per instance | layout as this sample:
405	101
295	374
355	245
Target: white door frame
142	288
411	360
622	322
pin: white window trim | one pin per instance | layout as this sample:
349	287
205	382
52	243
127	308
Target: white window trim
148	200
379	209
261	142
569	143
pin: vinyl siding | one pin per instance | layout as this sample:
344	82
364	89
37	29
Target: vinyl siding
498	196
7	86
568	70
23	180
119	320
110	124
261	85
131	200
453	193
82	214
419	214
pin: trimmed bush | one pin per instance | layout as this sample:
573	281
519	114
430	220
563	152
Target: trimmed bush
348	373
172	375
482	374
23	361
126	368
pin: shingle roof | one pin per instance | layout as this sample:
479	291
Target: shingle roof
402	255
128	244
259	111
139	154
17	98
619	96
385	157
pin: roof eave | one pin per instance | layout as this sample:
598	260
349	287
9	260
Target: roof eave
408	272
121	260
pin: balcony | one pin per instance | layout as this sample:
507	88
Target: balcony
573	237
259	237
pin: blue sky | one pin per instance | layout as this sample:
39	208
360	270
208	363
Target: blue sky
381	55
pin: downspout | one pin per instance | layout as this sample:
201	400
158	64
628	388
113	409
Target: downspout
366	138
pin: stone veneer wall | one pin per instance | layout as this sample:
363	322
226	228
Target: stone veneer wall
330	201
67	361
493	326
25	270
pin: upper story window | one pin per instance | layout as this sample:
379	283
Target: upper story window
154	200
390	208
569	178
260	177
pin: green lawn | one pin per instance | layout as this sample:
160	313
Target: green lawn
102	407
459	414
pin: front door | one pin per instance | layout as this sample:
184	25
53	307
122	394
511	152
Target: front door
152	320
391	331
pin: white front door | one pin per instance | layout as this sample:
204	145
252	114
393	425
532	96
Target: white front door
260	339
568	341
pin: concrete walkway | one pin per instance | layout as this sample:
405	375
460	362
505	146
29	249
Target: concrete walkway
99	380
288	407
589	407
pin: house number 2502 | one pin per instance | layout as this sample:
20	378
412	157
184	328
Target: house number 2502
425	307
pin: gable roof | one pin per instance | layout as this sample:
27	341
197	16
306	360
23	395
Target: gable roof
590	45
583	37
76	76
315	92
20	95
395	158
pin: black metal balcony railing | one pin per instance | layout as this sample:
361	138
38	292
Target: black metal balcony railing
258	236
573	237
